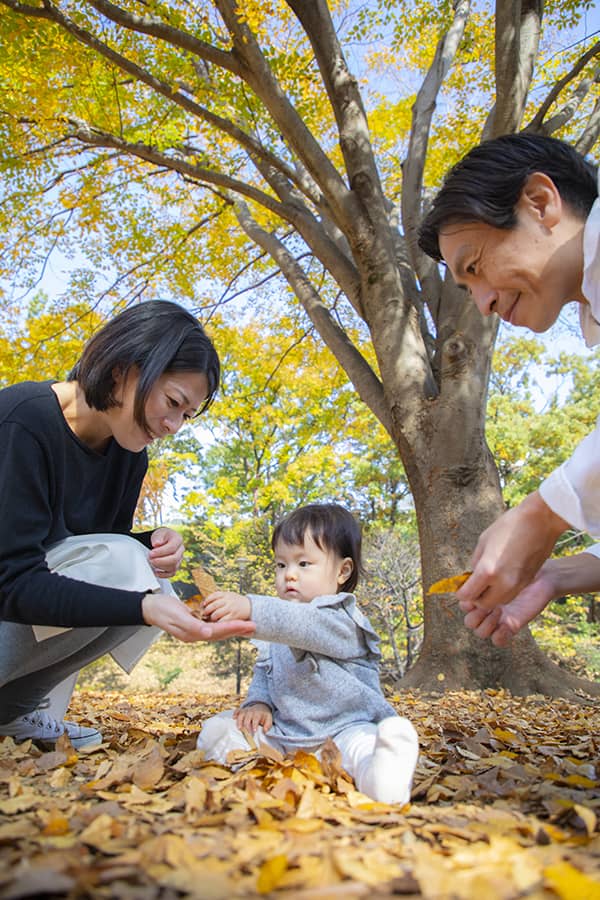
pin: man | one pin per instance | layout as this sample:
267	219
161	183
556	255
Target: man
517	222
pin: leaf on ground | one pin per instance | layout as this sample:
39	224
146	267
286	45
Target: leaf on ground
505	804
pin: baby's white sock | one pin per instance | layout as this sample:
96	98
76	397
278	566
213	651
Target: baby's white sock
387	774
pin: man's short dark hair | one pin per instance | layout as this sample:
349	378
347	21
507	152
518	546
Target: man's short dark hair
485	186
332	527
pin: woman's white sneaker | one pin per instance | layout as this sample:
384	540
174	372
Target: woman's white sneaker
42	728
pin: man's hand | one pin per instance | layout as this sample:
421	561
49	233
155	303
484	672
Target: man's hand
167	552
258	715
502	623
578	574
222	606
510	553
170	614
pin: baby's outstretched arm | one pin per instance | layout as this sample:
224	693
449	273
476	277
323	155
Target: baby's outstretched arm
225	605
249	718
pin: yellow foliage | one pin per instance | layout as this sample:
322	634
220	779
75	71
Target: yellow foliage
270	873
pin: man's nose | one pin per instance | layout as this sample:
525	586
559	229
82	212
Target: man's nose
485	297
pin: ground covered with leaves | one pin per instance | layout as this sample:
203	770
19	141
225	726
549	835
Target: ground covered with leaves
506	804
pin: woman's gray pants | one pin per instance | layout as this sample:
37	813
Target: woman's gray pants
39	661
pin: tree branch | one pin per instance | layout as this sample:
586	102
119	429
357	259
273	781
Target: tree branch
518	29
566	112
336	261
174	36
422	114
537	121
226	126
346	102
259	76
198	174
362	376
591	132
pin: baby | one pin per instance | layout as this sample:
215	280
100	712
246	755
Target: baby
318	675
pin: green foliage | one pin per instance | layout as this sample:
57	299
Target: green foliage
528	442
165	675
565	631
287	430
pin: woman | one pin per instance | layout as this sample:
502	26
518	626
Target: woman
72	461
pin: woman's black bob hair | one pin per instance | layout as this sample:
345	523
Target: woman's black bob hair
154	337
332	528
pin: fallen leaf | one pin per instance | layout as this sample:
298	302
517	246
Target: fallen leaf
270	873
571	884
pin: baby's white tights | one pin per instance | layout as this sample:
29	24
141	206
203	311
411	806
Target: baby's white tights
381	758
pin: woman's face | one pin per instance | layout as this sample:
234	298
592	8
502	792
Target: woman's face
174	398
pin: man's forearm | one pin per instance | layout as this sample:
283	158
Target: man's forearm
578	574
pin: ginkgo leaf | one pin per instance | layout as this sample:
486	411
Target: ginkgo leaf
588	816
204	581
271	873
56	824
449	585
195	604
571	884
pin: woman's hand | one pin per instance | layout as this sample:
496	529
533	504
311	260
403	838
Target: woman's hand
223	606
167	552
169	613
258	715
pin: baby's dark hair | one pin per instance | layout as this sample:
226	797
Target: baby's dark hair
331	527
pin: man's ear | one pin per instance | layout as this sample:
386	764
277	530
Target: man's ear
541	198
346	568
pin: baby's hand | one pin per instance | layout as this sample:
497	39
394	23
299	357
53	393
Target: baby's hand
250	718
224	605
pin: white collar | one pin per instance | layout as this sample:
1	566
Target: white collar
589	316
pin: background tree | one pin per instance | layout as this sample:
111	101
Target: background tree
39	340
391	595
131	119
287	429
530	431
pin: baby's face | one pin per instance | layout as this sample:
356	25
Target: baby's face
305	571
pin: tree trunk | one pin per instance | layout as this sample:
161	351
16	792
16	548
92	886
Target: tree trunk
457	494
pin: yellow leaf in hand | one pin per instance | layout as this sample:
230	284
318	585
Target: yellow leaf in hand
449	585
205	583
